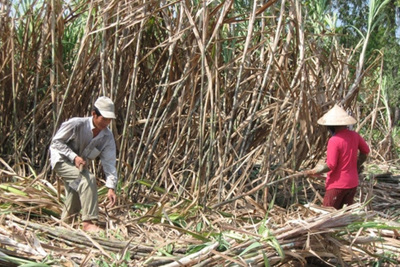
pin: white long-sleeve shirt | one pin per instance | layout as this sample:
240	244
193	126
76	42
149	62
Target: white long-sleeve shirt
75	138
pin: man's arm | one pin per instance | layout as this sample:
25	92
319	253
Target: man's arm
108	160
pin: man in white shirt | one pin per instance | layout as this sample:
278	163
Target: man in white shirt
77	141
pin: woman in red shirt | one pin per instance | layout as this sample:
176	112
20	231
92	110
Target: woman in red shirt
346	152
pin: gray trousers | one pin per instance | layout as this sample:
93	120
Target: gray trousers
84	198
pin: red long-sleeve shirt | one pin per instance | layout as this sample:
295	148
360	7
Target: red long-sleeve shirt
342	154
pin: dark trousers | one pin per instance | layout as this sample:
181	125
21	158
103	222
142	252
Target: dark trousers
338	197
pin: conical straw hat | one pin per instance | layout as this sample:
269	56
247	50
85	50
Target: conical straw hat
336	116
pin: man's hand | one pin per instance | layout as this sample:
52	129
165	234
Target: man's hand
78	161
112	197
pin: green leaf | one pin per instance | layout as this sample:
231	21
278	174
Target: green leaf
275	244
266	260
149	184
249	248
9	188
195	235
199	226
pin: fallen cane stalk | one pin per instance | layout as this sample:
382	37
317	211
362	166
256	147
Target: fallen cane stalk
193	258
259	187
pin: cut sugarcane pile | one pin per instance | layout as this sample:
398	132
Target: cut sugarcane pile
239	234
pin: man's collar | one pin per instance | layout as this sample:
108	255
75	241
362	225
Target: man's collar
91	123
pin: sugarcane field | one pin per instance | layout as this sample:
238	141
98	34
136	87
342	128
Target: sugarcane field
199	133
